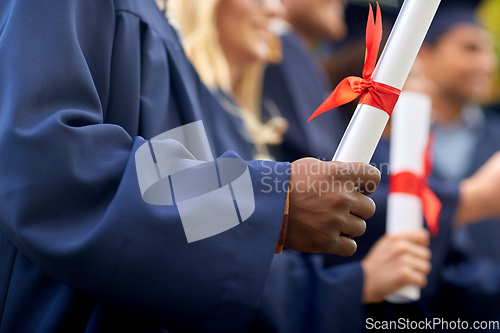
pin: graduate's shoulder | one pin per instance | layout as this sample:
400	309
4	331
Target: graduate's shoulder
294	46
50	10
149	14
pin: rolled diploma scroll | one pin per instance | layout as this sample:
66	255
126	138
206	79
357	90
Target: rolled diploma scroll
410	128
367	124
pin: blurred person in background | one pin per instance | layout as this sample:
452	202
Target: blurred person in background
458	57
297	85
229	43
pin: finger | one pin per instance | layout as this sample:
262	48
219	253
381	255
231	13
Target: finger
362	174
369	186
365	176
412	277
417	236
404	247
362	206
344	247
353	226
417	264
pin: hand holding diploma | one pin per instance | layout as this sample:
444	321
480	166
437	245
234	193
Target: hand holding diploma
396	261
410	198
326	211
397	266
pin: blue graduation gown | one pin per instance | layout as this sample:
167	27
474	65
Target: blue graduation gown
84	84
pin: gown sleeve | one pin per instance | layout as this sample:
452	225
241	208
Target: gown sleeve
69	192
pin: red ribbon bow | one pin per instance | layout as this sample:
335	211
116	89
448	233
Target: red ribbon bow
376	94
410	183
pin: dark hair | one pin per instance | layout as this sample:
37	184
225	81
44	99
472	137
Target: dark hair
447	18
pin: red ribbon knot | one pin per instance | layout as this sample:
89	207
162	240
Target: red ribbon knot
418	185
361	87
376	94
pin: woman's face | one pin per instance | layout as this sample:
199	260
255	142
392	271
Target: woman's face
243	27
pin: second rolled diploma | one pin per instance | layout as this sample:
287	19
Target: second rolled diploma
410	127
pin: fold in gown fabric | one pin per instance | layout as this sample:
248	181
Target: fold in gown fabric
83	85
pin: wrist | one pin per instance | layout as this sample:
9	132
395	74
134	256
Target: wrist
284	225
369	295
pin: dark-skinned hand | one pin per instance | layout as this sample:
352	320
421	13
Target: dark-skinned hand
328	205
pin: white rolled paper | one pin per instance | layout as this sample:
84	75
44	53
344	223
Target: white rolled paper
410	126
367	124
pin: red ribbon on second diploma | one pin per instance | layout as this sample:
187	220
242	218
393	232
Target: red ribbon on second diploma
376	94
418	185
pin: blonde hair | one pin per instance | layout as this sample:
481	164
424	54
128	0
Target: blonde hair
196	20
